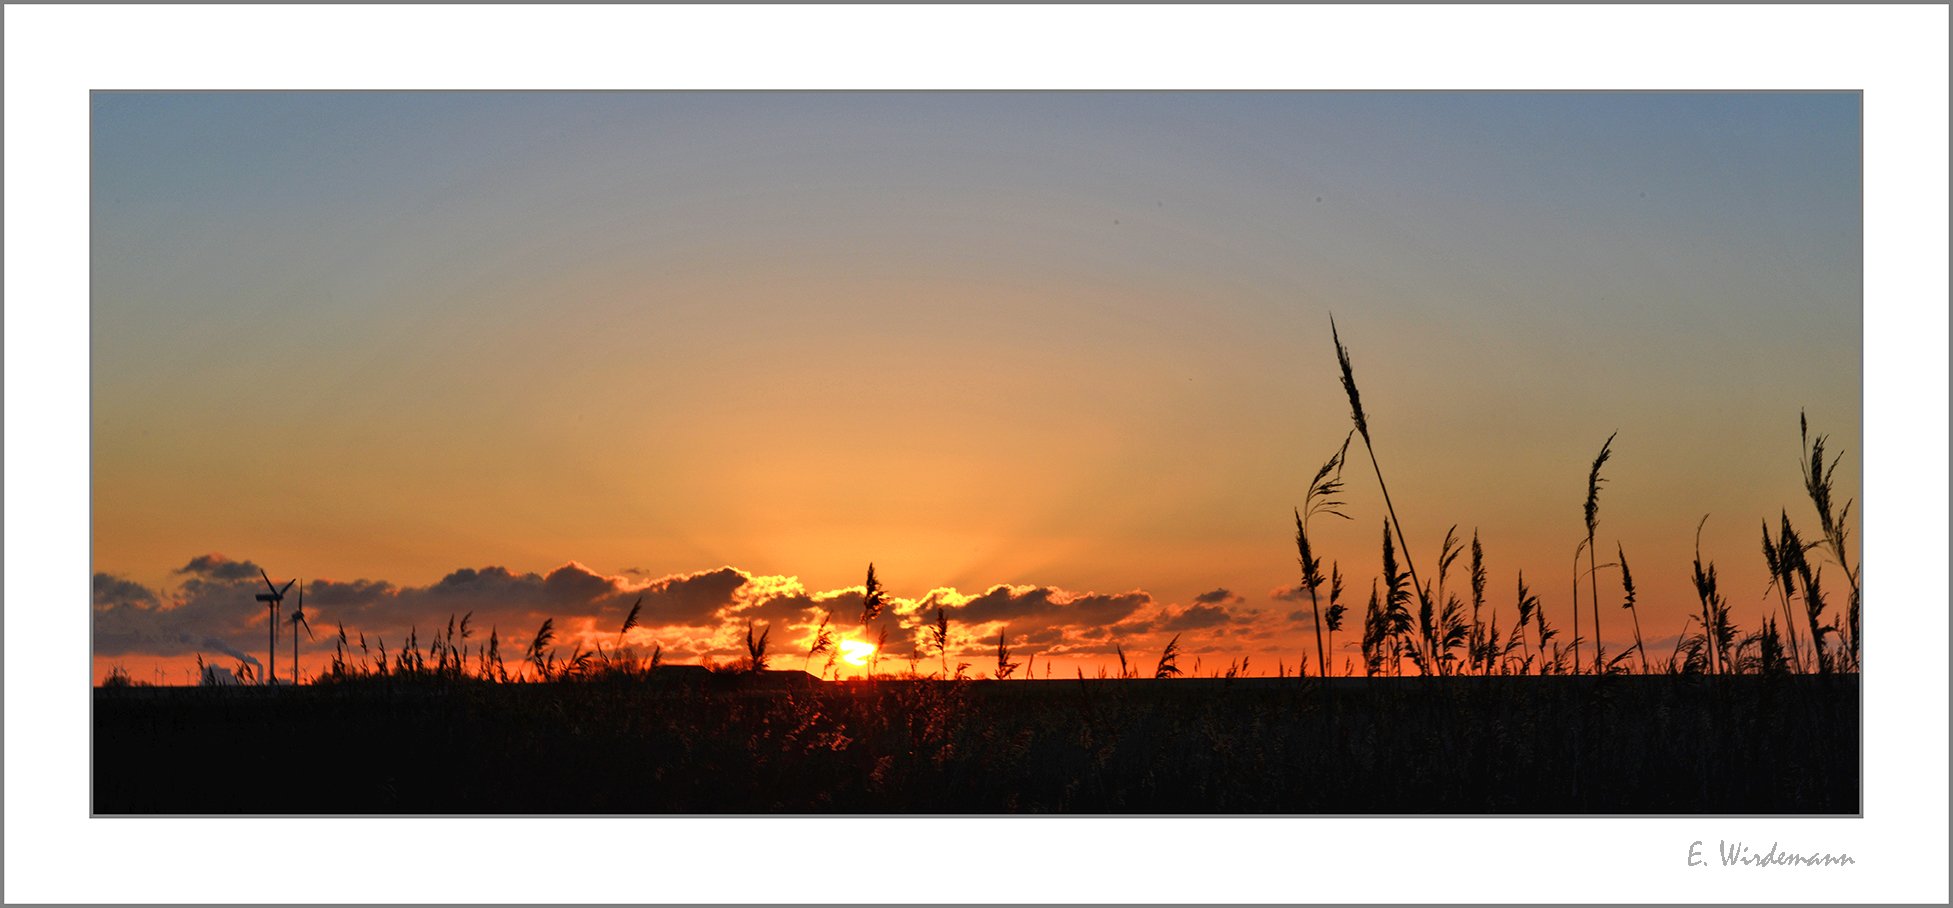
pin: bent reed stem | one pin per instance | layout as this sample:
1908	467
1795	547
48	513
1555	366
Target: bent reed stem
1363	429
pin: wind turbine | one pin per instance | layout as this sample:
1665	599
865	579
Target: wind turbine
272	599
298	618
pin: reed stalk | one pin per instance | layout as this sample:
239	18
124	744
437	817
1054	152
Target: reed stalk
1592	512
1781	578
1546	633
1526	604
873	597
1818	484
1334	619
1169	660
941	641
1320	499
630	620
1396	616
1813	603
544	636
1478	599
1005	667
1375	629
1363	428
1428	620
823	640
756	648
1715	611
1627	584
1576	604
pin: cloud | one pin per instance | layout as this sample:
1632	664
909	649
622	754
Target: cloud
1052	619
691	600
331	594
216	567
111	590
1041	605
213	610
496	595
1044	637
574	583
1197	617
1004	603
129	618
782	610
1296	593
1218	597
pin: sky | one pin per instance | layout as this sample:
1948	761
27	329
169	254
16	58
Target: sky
58	55
1057	362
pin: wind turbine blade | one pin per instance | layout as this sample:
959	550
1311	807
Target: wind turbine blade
288	585
267	581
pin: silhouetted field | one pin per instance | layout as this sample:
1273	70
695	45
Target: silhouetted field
1611	744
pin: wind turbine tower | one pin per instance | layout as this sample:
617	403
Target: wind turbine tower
297	619
272	599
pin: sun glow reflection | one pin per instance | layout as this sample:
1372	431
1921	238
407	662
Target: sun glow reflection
856	652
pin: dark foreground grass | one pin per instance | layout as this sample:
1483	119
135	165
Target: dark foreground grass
1472	745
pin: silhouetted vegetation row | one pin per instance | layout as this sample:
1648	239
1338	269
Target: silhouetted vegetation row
1559	745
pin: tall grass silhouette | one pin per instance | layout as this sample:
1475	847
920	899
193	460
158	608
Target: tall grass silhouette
1320	499
1795	551
1387	622
1781	561
1818	484
823	641
1480	646
1005	667
1362	422
1716	628
1627	589
1169	665
1591	513
535	655
630	620
756	655
1529	606
873	598
938	638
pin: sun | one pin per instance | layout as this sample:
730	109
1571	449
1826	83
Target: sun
856	652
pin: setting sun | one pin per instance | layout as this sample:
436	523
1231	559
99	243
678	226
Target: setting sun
856	652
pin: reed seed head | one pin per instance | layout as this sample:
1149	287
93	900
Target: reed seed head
1349	384
1627	579
630	620
873	597
1169	659
1593	485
